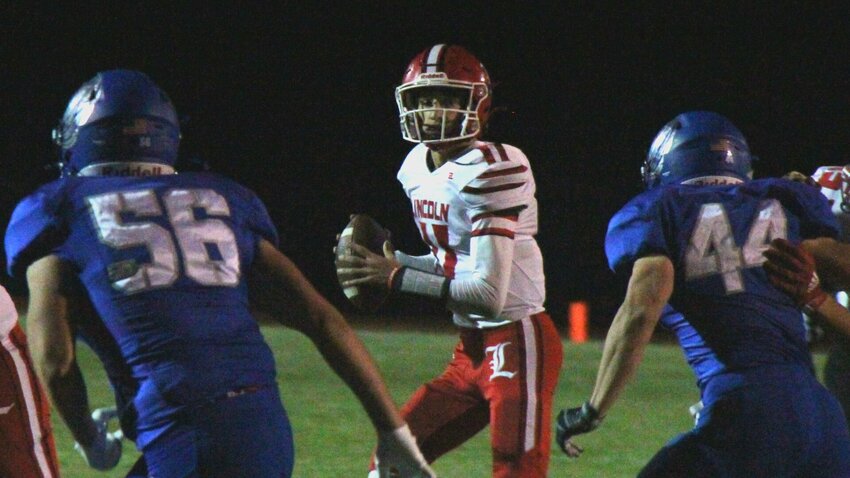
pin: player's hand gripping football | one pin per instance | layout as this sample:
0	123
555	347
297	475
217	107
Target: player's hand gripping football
363	266
572	422
105	451
792	270
398	456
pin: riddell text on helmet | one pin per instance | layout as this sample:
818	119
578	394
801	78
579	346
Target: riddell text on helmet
127	169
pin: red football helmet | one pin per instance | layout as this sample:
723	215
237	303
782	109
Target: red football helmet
444	96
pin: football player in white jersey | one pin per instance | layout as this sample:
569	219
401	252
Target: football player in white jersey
27	449
474	205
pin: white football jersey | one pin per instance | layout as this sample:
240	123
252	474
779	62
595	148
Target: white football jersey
8	313
831	185
487	192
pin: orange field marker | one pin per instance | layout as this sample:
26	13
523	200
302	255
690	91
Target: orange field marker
578	321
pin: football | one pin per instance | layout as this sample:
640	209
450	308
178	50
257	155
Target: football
365	231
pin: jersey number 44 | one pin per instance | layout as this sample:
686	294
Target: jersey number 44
712	248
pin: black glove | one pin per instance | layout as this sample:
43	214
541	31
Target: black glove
575	421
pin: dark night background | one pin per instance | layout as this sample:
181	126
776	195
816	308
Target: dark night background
296	101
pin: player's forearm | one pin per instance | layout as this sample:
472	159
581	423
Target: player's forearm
623	351
319	320
58	371
426	263
650	286
481	293
52	345
833	261
348	357
68	394
476	296
835	315
485	291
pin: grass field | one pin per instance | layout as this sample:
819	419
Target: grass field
333	438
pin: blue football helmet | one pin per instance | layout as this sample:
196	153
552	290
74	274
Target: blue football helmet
697	144
117	116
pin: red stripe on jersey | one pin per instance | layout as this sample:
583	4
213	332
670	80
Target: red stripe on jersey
503	172
488	155
830	177
493	231
502	152
449	264
492	189
441	238
509	215
441	233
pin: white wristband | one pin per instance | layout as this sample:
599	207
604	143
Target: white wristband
421	283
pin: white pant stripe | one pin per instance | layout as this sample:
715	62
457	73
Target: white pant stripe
31	406
531	382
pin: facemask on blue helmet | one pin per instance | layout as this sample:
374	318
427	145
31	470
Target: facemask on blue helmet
117	116
697	147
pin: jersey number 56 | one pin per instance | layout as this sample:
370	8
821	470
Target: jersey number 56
195	237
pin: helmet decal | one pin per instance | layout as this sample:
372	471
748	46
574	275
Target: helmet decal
433	63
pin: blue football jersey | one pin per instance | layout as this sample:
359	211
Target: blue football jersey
727	316
164	260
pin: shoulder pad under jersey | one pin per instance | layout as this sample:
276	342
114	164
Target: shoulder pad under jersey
35	228
635	231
